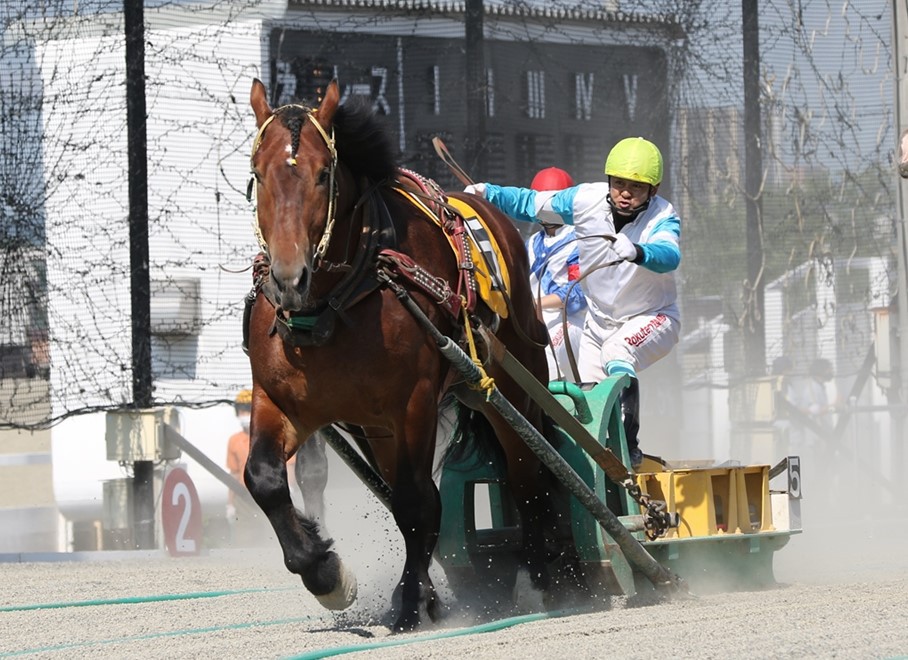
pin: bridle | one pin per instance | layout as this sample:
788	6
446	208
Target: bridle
325	241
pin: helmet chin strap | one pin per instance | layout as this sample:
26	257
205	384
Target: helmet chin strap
624	215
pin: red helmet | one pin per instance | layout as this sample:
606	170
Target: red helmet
551	178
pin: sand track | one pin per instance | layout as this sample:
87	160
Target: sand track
843	592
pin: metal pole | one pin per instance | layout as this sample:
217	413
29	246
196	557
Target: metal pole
754	330
900	338
240	491
476	88
140	287
370	478
137	160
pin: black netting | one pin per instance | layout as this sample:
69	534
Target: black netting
565	81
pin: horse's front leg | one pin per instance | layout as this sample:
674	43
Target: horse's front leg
417	512
416	506
305	552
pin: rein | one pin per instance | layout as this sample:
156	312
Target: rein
325	241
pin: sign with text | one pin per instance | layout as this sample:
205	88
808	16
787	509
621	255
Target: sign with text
547	104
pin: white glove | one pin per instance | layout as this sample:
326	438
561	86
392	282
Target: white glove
623	247
478	189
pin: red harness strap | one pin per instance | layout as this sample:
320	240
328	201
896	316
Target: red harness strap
435	200
466	283
431	193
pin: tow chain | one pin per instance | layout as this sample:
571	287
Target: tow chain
657	519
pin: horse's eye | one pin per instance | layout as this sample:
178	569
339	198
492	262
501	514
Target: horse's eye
323	176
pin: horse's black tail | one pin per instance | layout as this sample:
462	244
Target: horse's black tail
472	438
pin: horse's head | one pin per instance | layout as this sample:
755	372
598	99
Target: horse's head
294	163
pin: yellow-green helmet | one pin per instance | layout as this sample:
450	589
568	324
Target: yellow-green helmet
635	159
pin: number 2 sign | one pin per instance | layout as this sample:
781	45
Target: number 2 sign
181	514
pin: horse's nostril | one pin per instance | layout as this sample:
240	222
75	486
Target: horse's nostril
291	284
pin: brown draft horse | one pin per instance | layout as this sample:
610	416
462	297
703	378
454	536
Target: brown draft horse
374	367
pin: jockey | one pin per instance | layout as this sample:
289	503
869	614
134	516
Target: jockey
629	283
554	267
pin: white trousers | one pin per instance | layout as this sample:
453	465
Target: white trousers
639	341
556	353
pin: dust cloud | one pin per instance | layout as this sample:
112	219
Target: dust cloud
854	520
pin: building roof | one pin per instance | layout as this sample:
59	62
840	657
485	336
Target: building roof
567	11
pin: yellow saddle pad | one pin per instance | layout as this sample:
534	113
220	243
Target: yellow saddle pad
490	270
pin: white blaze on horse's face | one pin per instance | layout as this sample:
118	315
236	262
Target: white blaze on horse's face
289	150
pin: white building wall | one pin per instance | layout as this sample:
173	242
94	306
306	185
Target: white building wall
85	175
199	222
202	223
199	69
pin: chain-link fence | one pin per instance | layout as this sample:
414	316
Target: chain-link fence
562	82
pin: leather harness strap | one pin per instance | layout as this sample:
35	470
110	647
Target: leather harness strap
315	327
377	253
399	264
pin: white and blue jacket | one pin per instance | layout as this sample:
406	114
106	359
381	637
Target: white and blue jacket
614	293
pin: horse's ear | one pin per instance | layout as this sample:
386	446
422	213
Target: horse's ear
329	105
258	97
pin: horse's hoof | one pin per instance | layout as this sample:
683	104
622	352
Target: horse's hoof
406	622
344	592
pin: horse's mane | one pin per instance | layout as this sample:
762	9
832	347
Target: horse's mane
364	144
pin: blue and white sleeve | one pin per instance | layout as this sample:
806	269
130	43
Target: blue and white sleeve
519	203
662	253
530	206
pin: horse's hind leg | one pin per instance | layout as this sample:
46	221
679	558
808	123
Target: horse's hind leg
305	552
311	471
